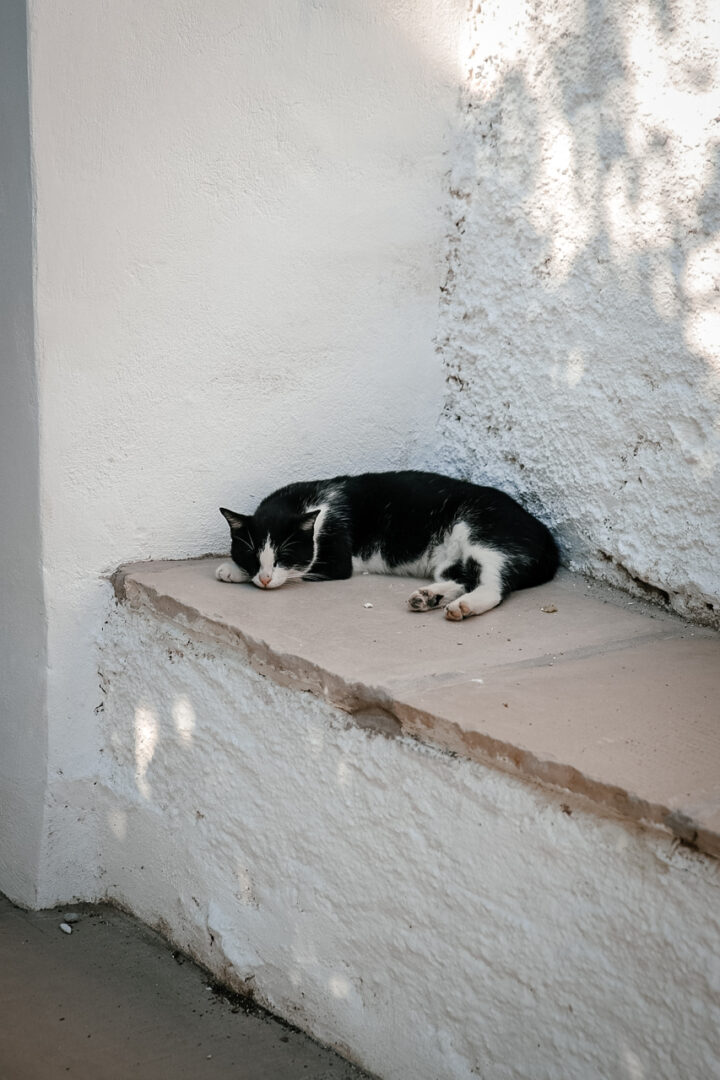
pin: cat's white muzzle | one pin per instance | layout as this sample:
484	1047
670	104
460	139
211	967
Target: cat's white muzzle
273	581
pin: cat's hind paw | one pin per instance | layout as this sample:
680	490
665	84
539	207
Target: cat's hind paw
230	571
477	602
434	596
424	599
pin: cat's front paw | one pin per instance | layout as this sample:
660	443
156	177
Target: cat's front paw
230	571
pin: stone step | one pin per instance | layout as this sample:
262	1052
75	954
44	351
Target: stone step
571	684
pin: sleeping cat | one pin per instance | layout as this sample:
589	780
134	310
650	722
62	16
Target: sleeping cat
476	543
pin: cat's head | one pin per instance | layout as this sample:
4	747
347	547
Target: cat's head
271	550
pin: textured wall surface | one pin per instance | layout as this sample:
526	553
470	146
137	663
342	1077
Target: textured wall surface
581	314
239	249
23	739
428	917
240	246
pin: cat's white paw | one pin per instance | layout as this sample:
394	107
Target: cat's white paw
477	602
230	571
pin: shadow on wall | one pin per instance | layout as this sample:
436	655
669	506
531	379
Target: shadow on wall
580	323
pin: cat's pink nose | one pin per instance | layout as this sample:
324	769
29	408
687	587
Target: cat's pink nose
265	579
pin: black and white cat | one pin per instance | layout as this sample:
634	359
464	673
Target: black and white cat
476	543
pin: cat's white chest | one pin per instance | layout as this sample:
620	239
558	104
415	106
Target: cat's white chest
376	564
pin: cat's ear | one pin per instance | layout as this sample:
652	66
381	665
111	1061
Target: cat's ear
237	522
307	521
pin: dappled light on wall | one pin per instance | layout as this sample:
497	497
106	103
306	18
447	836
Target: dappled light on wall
572	371
146	737
183	715
343	774
583	282
117	822
339	987
701	283
633	1066
625	117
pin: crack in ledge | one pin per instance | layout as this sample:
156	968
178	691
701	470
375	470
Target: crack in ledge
379	711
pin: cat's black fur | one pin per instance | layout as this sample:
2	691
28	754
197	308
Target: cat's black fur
477	543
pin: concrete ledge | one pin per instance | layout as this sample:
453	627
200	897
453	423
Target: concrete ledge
569	685
424	914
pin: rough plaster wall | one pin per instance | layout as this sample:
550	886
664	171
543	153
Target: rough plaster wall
239	251
426	916
23	743
581	316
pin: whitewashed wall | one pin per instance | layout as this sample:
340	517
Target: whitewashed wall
240	245
428	917
239	249
581	312
242	242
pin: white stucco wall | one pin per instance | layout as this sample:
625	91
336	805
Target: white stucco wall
240	245
425	915
239	248
581	313
23	731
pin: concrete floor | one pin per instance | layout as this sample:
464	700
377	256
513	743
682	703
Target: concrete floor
111	1001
